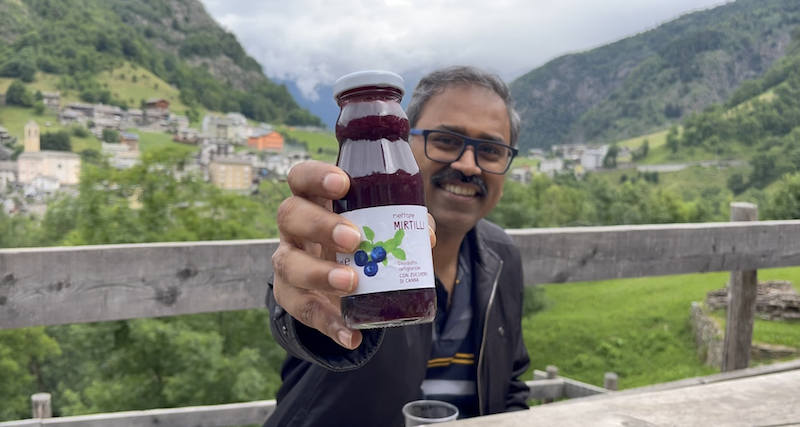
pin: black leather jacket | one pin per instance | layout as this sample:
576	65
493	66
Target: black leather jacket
327	385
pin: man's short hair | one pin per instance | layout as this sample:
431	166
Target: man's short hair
435	82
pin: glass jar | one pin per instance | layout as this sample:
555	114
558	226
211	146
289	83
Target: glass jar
386	201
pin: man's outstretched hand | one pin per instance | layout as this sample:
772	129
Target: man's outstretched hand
308	280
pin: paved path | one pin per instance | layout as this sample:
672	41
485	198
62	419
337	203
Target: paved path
675	167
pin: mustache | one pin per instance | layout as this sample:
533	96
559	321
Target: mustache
450	174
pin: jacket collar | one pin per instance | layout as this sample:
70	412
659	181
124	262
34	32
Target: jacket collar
487	264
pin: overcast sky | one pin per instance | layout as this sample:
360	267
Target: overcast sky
315	41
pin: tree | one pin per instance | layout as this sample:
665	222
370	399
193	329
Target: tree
58	141
38	108
737	184
39	96
610	160
110	135
18	94
784	201
673	142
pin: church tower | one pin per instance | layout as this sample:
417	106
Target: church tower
32	142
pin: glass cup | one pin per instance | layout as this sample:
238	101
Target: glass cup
423	412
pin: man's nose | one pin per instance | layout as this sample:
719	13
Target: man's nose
466	163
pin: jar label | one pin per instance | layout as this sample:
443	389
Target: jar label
395	252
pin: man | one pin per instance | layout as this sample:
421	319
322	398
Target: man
473	354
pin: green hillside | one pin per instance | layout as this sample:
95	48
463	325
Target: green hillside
649	81
84	48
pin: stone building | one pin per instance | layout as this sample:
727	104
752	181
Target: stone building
231	173
8	174
52	100
61	165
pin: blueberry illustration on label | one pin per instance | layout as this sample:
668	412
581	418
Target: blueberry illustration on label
371	269
378	254
370	252
361	258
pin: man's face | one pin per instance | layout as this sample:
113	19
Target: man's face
458	195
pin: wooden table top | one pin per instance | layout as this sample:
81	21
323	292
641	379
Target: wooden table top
762	401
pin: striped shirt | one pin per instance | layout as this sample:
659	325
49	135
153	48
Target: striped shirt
452	370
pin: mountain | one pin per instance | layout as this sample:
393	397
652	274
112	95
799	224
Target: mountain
649	81
325	107
177	40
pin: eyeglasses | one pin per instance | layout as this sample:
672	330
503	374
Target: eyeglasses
447	147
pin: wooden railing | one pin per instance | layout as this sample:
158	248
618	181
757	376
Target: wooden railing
60	285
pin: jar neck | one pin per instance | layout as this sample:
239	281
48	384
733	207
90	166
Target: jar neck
369	93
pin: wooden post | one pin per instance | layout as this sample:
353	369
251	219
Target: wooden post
610	381
741	304
41	404
552	373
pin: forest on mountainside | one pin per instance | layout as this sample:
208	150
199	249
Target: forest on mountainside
174	39
654	79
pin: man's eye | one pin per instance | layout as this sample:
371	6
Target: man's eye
447	140
490	150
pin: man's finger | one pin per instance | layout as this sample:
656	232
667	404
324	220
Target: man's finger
313	179
317	312
300	219
297	268
432	230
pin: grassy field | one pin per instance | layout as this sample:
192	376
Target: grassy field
690	183
321	145
147	85
15	118
773	332
151	141
638	328
655	140
120	82
43	82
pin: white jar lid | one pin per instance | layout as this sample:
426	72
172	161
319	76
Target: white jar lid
368	78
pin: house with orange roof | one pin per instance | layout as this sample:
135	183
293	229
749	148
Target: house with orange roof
265	139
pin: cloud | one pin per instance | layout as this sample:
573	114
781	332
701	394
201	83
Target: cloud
314	42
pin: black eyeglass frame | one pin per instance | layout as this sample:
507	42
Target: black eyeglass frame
468	142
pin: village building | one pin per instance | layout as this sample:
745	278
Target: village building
231	128
120	155
266	139
5	153
154	117
569	151
187	136
551	167
282	164
61	165
231	173
536	153
52	100
592	158
215	149
157	103
130	139
8	206
108	112
41	186
8	174
176	122
522	175
86	110
135	118
5	136
70	116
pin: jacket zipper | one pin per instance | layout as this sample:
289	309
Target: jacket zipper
483	340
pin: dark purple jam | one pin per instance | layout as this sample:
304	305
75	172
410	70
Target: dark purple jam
372	131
